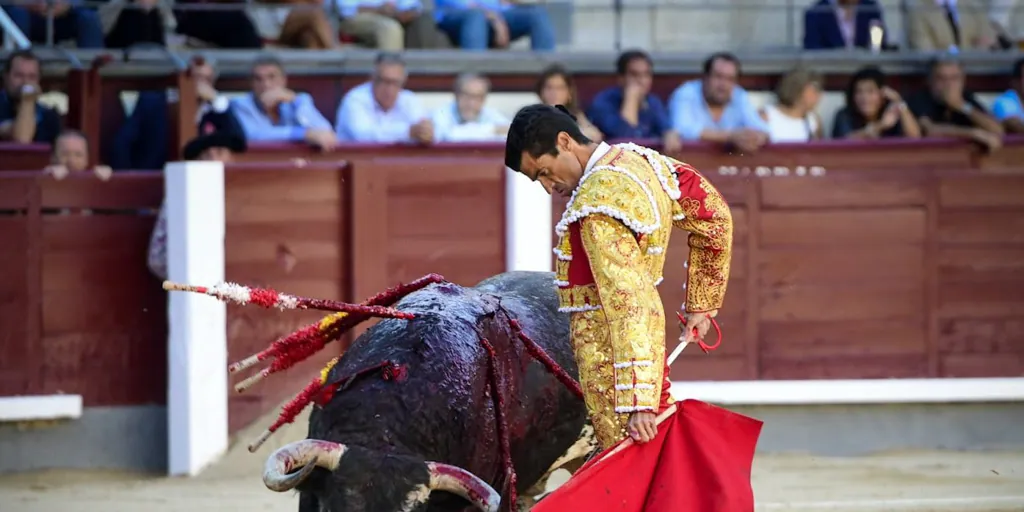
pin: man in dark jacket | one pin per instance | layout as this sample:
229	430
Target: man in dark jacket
831	24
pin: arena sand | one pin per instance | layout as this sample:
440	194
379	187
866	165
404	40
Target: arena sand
904	481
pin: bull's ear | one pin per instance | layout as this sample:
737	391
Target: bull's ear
453	479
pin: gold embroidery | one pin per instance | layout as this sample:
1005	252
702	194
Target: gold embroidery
710	248
633	326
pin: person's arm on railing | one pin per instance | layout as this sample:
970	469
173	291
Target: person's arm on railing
24	127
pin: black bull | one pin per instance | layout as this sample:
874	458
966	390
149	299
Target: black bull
392	442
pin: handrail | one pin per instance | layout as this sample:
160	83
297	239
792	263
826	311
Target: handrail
13	37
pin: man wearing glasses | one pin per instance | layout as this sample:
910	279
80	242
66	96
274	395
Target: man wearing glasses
382	110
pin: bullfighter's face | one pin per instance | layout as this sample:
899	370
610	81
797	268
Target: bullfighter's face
561	171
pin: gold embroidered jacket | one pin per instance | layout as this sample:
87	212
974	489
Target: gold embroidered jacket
610	258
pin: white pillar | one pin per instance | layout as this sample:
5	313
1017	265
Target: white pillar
529	229
197	401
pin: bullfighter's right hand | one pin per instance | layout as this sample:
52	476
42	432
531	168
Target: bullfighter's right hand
697	326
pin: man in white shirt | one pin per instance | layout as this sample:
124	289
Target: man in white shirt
382	110
468	118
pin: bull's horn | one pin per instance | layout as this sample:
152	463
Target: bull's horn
445	477
279	473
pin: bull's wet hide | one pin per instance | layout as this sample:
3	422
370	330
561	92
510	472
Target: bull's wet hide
442	411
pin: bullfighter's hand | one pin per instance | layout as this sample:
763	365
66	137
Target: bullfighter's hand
642	426
699	321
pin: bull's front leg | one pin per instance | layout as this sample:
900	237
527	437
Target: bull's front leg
573	458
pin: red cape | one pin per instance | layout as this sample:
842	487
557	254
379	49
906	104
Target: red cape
699	462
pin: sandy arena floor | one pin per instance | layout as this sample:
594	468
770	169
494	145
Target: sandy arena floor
908	481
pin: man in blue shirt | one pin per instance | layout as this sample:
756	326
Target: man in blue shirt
382	110
629	110
1007	107
472	24
715	109
274	113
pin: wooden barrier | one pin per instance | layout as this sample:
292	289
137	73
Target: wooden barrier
19	157
899	259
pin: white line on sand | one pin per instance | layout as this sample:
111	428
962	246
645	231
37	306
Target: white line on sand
893	504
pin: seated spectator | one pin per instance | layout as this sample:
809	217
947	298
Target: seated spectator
221	28
382	110
300	24
1007	108
831	24
950	25
557	87
71	20
71	155
141	142
715	109
130	22
494	23
391	25
947	110
22	118
873	110
215	147
274	113
794	118
468	118
629	110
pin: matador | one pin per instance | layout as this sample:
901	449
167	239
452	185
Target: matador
623	201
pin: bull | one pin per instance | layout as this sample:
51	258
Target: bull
433	440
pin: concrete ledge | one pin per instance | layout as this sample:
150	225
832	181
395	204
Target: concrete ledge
861	391
40	407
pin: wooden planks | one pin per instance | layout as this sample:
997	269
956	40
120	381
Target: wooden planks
286	228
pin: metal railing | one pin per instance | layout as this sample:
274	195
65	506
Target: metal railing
13	38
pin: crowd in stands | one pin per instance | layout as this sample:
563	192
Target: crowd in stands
712	108
393	25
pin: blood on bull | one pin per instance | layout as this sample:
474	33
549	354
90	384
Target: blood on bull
458	397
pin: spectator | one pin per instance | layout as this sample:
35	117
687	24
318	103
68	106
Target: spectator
831	24
141	142
794	118
216	147
22	118
715	109
274	113
557	87
381	110
1007	108
71	155
947	110
873	110
950	25
391	25
476	25
468	118
629	110
129	22
222	28
300	24
70	21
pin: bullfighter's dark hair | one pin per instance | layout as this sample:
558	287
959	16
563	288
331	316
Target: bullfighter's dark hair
24	54
726	56
535	130
629	56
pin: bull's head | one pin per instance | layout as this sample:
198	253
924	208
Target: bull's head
292	464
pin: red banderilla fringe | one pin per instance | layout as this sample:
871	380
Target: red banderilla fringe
538	353
317	391
311	333
503	434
